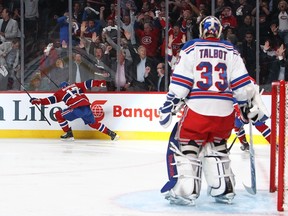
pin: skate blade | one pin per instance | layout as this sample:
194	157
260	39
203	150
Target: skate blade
71	139
116	138
178	200
227	199
181	201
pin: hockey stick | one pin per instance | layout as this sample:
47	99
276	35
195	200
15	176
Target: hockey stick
50	79
230	147
31	98
252	189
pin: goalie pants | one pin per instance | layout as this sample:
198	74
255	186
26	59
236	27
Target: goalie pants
203	129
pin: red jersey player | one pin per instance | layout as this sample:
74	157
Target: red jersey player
78	106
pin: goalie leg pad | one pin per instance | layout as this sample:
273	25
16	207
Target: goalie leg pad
219	177
218	173
184	187
184	171
171	169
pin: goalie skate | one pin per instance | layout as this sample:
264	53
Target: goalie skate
227	198
179	200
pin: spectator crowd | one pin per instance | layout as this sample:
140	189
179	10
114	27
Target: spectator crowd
129	49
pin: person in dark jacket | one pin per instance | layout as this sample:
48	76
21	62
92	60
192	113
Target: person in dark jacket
144	71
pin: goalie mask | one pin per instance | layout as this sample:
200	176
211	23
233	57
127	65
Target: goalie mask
210	26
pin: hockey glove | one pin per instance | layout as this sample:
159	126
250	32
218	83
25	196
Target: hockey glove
167	110
256	114
178	107
257	109
241	114
35	101
166	114
100	83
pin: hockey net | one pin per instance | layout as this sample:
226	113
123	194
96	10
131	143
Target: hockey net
279	142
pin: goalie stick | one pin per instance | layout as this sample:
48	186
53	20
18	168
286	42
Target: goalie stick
252	190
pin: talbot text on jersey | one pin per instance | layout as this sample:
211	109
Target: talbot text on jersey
213	53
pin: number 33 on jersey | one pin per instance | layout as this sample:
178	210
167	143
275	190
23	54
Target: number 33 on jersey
209	70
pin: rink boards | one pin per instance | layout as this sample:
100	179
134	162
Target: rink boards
133	116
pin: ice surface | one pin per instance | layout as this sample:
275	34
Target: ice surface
47	177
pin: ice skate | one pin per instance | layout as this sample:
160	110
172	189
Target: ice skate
227	198
68	136
244	146
113	135
179	200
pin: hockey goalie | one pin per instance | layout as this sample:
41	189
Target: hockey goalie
209	76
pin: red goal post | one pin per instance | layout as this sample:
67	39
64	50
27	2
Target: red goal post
279	131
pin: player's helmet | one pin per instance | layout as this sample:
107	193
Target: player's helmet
210	25
64	84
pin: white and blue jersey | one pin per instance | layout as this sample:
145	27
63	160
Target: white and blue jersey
209	73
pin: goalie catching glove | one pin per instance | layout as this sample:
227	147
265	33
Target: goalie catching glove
171	106
256	110
35	101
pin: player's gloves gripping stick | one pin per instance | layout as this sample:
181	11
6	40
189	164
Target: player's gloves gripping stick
35	101
167	110
241	114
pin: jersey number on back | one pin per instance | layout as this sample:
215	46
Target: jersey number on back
207	76
73	92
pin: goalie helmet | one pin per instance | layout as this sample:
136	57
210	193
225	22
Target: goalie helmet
210	25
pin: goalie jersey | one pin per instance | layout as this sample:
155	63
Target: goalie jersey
209	73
